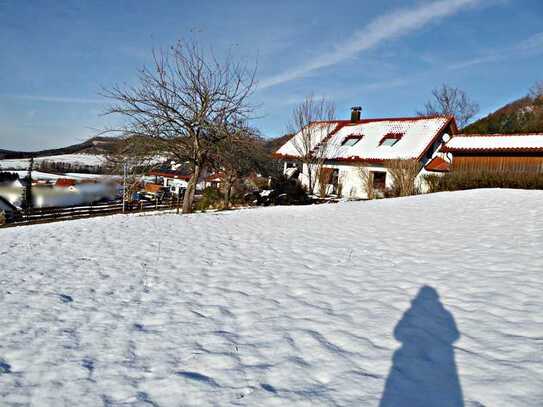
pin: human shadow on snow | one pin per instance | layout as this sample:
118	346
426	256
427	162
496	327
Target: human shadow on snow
423	371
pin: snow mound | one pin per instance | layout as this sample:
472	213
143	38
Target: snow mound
426	301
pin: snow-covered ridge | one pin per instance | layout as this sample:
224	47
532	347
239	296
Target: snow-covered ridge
93	160
430	299
495	142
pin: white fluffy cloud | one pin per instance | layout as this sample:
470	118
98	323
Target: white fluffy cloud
389	26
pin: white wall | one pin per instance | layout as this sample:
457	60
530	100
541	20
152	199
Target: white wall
352	183
349	177
4	207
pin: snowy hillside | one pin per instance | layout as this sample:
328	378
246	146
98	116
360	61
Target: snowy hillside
93	160
430	301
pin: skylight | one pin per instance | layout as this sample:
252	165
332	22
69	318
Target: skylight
390	139
389	142
351	140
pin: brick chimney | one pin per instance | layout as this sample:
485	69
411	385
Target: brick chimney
355	113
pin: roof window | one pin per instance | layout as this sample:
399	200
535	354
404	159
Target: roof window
351	140
390	139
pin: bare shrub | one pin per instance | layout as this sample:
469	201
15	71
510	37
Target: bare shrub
536	91
433	181
403	173
324	177
366	179
483	178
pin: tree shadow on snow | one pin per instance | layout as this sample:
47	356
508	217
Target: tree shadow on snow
423	371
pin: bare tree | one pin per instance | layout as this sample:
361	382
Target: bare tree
451	101
182	102
239	154
312	123
324	176
366	180
133	157
536	91
27	201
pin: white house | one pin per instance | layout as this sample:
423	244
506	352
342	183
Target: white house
6	206
370	143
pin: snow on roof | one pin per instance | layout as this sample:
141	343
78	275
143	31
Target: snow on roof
299	144
413	136
499	142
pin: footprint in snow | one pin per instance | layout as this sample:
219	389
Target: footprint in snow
197	377
88	364
268	387
144	397
65	298
4	367
139	327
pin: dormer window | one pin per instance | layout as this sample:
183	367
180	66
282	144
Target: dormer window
351	140
390	139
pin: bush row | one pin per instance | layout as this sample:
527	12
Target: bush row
471	179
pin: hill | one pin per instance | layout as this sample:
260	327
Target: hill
524	115
273	144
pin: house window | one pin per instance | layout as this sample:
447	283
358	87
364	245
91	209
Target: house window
351	140
390	139
379	180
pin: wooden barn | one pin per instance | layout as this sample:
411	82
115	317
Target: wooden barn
495	152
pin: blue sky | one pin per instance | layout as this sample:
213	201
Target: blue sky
386	56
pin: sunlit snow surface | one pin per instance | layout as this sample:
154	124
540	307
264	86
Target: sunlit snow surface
428	301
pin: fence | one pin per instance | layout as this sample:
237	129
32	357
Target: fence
44	215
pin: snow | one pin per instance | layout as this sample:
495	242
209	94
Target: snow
492	142
301	143
423	301
74	159
40	175
418	133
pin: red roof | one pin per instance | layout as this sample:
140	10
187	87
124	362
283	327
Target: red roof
170	174
65	182
438	164
217	176
418	138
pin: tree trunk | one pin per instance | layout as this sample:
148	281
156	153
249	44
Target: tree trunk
311	179
227	192
191	189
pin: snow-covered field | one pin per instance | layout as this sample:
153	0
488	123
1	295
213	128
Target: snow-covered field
94	160
431	300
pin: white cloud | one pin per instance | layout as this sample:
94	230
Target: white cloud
383	28
533	42
530	46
